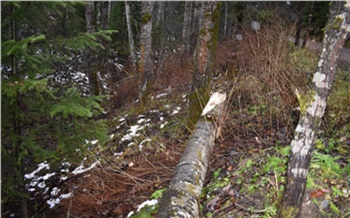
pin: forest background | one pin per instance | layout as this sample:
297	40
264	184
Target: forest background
70	71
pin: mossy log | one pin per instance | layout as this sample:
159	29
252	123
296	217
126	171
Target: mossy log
181	198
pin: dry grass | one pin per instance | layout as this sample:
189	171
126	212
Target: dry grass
114	188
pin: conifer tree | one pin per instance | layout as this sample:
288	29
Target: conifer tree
41	118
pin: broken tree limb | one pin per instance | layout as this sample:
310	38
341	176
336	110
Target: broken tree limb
303	144
182	196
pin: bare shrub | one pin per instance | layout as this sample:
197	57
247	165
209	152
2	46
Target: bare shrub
265	56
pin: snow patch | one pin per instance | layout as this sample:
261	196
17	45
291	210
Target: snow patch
163	124
176	111
141	144
161	95
40	167
147	203
133	132
81	168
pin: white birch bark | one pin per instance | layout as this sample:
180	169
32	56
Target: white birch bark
303	144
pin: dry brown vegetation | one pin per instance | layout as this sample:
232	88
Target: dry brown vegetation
260	73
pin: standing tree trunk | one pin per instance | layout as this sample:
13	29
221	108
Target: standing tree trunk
186	31
90	28
160	14
131	37
299	8
204	59
145	63
303	144
225	21
89	16
104	15
22	205
308	25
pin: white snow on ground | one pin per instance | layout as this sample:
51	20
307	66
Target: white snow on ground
163	124
144	204
35	181
133	132
176	111
53	201
40	167
162	95
82	169
141	144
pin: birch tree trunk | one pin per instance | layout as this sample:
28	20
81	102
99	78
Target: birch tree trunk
303	144
145	63
182	196
186	31
204	59
131	37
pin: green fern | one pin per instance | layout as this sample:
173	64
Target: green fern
334	208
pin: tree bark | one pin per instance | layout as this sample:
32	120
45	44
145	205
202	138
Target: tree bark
131	37
145	63
225	21
104	15
303	144
299	8
89	16
186	31
90	28
308	25
182	196
204	59
160	13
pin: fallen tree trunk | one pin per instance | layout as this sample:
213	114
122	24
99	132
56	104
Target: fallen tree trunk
181	198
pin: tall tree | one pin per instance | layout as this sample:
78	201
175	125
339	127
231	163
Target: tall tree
104	14
300	7
336	32
160	14
145	62
130	36
90	17
204	58
186	31
90	28
45	120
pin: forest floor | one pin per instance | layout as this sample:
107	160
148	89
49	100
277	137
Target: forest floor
247	169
